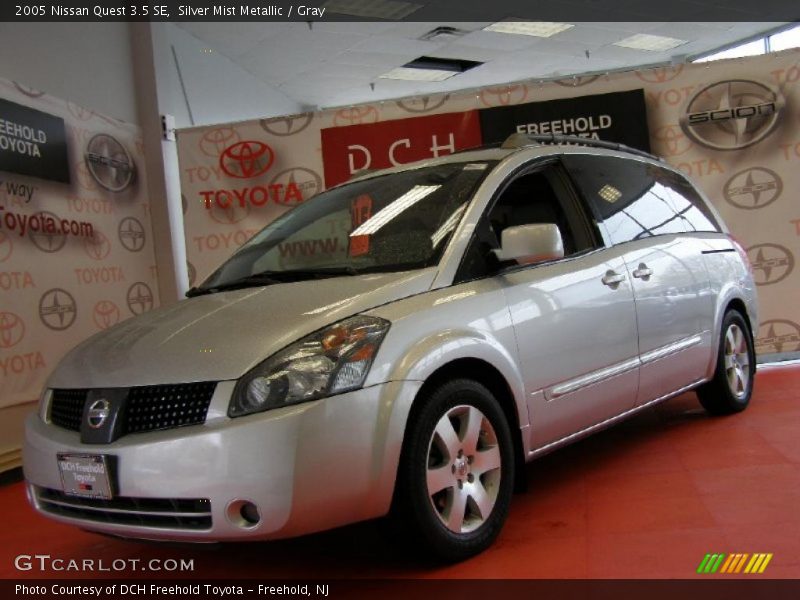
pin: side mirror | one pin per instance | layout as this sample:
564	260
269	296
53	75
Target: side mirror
531	243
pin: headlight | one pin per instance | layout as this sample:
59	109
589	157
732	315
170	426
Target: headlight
330	361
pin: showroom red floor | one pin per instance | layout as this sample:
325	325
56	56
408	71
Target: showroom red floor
648	498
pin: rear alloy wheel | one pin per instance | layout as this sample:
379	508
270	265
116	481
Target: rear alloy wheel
730	389
456	473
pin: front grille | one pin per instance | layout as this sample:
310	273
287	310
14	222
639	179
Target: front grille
160	513
148	408
66	408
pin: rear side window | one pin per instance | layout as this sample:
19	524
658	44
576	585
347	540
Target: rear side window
635	199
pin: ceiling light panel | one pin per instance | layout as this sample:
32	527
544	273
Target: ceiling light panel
414	74
542	29
653	43
372	9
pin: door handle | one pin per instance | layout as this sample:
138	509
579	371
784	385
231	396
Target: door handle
612	278
642	272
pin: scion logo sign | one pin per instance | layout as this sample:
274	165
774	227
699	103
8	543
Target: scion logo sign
12	330
140	298
28	91
304	183
660	74
105	314
246	159
753	188
57	309
109	163
6	247
131	234
214	141
505	95
79	112
771	263
731	115
227	212
671	140
355	116
778	335
51	239
97	247
286	126
422	104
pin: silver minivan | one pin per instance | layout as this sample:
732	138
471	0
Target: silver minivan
402	344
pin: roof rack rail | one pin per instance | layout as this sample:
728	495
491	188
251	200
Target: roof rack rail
520	140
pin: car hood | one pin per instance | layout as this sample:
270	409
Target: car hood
221	336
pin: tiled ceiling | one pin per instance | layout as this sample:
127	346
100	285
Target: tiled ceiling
339	63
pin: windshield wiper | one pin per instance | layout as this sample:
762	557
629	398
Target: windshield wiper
256	280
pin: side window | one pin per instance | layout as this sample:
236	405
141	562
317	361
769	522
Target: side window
626	195
686	201
534	197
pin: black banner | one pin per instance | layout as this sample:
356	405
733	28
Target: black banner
32	143
616	117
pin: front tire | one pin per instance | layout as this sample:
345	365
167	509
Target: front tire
456	472
732	386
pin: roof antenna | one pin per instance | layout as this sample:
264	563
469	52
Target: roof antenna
310	25
372	86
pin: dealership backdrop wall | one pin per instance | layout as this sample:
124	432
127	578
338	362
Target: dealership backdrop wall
76	252
731	125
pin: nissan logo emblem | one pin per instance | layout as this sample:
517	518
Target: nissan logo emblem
98	413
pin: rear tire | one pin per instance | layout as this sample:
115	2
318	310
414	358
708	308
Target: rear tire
732	385
456	473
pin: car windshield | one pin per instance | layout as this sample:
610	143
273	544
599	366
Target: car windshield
393	222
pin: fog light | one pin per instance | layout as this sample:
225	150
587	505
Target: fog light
243	513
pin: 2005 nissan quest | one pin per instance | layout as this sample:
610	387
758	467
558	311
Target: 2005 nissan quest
401	344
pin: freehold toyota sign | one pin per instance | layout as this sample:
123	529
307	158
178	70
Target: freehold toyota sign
32	143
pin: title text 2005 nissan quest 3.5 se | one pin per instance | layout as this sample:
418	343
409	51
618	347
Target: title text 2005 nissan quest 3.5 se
454	319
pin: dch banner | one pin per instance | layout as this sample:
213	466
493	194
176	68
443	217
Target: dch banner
76	252
732	126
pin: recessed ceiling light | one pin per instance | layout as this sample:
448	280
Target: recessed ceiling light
429	68
410	74
535	28
372	9
654	43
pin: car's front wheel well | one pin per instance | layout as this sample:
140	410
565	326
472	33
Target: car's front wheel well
488	376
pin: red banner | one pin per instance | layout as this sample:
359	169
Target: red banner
347	150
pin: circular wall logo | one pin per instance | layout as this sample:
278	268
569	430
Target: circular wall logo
307	181
246	159
422	104
214	141
753	188
230	214
57	309
12	329
98	246
286	126
48	241
105	314
79	112
355	115
731	115
109	163
28	91
660	74
778	335
131	234
771	263
577	81
140	298
97	413
504	95
671	140
6	246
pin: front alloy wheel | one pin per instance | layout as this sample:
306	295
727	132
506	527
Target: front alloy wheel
455	477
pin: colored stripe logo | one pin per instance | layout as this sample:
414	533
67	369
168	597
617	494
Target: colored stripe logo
734	563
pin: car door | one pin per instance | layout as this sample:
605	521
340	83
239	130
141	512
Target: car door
574	318
634	200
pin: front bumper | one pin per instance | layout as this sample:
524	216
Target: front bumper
309	467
